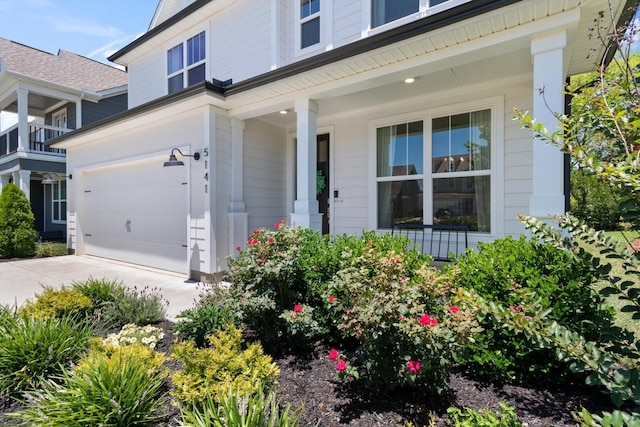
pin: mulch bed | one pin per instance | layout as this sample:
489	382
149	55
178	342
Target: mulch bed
308	378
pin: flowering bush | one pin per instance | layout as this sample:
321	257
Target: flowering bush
399	310
300	322
131	334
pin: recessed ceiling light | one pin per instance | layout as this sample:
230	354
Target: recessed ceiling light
283	111
410	80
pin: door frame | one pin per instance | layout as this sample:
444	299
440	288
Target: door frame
291	171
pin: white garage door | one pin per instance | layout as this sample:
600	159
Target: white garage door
137	214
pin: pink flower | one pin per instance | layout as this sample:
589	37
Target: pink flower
341	366
238	248
426	320
256	231
261	260
414	366
297	308
402	318
331	298
333	354
270	240
454	309
252	241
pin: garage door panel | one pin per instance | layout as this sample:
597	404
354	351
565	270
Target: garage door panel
137	214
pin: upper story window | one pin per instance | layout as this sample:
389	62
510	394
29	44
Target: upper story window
193	54
385	11
309	23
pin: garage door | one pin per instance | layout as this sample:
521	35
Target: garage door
137	214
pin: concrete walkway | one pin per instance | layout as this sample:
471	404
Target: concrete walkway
22	279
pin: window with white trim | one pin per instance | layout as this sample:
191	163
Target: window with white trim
309	23
454	189
193	54
385	11
59	201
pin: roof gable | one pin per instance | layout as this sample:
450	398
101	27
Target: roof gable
66	68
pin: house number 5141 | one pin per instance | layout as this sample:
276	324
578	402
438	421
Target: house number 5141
205	153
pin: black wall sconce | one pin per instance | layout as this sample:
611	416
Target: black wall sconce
175	162
52	178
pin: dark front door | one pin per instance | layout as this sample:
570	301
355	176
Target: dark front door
322	192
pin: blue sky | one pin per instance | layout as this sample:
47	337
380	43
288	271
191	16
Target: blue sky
92	28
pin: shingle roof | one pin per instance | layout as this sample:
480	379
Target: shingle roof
65	68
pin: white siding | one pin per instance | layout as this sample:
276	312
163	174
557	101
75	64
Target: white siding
265	174
240	44
346	22
147	78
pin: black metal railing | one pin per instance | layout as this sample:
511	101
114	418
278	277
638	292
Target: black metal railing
441	241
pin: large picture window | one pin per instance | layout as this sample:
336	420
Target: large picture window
400	173
461	169
194	56
455	187
59	201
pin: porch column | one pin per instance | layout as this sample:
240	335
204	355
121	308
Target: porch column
548	98
305	209
4	180
23	120
79	112
23	182
238	217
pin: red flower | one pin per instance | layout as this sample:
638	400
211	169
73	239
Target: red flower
238	248
454	309
252	241
402	318
297	308
256	231
331	298
270	240
261	260
414	366
341	366
276	225
426	320
333	354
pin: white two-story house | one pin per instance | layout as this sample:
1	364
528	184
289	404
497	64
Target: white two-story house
404	106
43	96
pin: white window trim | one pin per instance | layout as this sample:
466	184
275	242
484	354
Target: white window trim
185	68
496	105
53	200
326	28
423	11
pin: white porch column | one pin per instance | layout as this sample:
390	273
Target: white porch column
23	182
23	120
305	209
79	113
238	217
4	180
548	98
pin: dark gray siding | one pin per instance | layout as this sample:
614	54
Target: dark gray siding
93	112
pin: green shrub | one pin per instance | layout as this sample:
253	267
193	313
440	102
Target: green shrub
252	410
404	322
57	303
213	371
118	389
505	417
203	320
143	307
17	235
49	249
527	277
32	349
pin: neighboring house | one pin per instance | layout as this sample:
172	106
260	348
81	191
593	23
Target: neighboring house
46	96
265	92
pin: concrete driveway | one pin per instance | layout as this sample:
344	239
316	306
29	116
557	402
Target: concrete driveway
22	279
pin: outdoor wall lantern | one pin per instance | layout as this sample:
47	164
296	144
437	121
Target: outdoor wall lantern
175	162
48	179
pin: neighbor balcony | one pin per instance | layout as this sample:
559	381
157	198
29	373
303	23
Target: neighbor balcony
39	134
